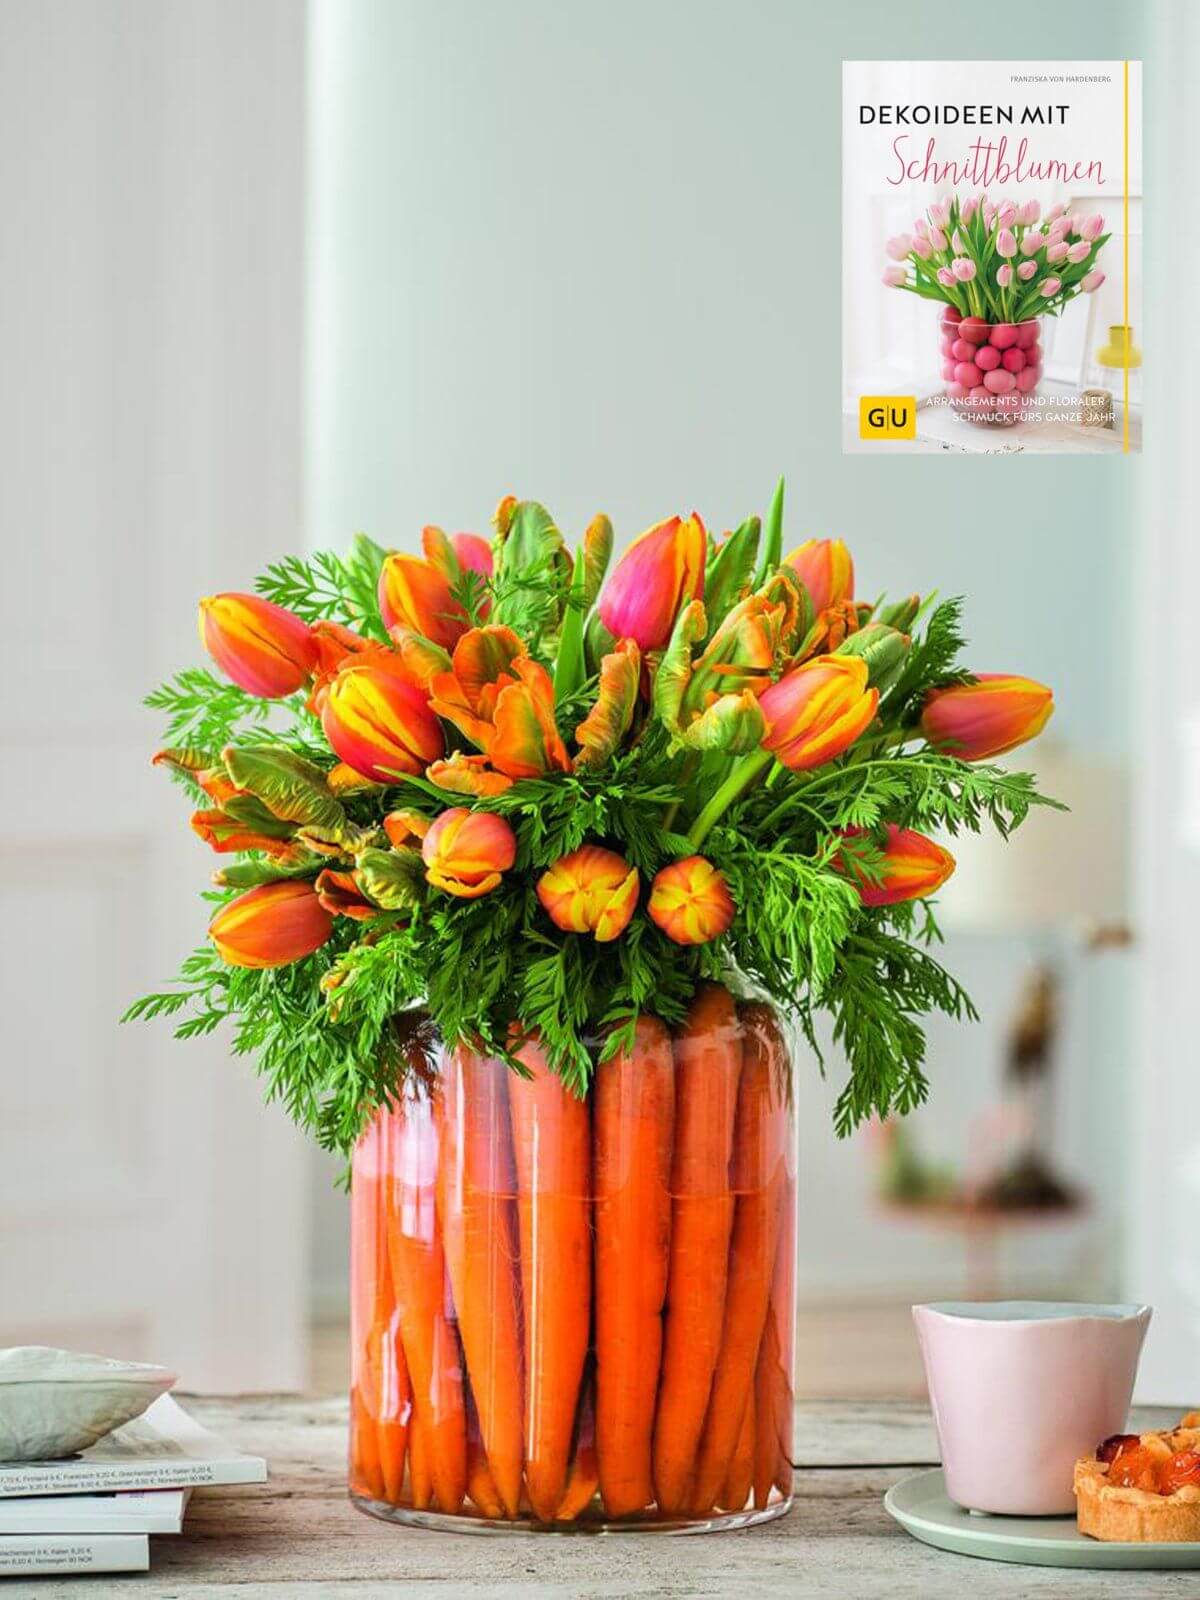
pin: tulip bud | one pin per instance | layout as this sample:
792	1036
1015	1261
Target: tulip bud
609	720
597	553
894	277
899	246
1026	270
984	718
690	901
379	724
1032	243
466	852
340	894
964	268
1057	252
922	247
946	278
473	775
591	890
1007	214
939	213
957	243
267	650
1006	243
414	592
938	240
405	829
1092	228
911	867
818	710
1049	287
503	515
271	926
1091	282
1030	211
881	646
1077	252
826	569
661	571
900	614
969	208
1004	275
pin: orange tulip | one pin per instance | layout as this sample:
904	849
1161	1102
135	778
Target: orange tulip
267	650
660	572
912	866
471	775
379	723
414	592
466	852
503	701
690	901
985	718
405	829
340	894
271	925
198	764
826	569
818	710
226	833
592	890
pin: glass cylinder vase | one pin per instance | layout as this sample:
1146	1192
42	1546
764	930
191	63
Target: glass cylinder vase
990	370
574	1312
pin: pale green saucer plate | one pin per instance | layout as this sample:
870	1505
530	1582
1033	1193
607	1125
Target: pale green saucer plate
921	1506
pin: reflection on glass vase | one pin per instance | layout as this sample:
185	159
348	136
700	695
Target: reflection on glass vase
575	1313
990	369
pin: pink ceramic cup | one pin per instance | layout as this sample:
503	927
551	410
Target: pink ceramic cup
1020	1389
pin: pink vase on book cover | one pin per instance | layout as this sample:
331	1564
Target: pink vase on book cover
990	369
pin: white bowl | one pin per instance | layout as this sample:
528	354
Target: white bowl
54	1403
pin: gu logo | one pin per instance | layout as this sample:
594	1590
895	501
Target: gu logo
887	416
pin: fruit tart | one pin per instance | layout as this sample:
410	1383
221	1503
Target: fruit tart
1142	1488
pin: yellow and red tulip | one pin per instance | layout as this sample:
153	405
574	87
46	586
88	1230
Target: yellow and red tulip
267	650
609	720
660	572
817	710
379	723
341	896
467	852
690	901
826	569
414	591
985	718
473	775
912	867
591	890
503	701
272	925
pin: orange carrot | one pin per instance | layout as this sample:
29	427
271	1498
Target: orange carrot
773	1376
379	1377
552	1144
389	1399
419	1275
366	1475
476	1210
634	1101
759	1176
584	1476
481	1486
420	1484
736	1489
708	1064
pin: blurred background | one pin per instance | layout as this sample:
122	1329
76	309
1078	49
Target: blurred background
277	271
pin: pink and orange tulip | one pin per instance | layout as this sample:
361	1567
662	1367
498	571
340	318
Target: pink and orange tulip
913	867
272	925
591	890
826	569
414	591
817	710
690	901
467	852
267	650
660	572
379	723
995	713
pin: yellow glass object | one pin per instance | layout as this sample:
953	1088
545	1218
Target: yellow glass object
1120	351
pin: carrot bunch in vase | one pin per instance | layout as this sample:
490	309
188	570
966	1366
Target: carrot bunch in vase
528	874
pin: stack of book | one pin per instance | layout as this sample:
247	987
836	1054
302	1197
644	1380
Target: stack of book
96	1511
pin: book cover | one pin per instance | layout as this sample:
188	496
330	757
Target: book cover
164	1449
127	1511
47	1552
992	256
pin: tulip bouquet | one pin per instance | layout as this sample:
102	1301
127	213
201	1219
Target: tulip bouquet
997	261
542	803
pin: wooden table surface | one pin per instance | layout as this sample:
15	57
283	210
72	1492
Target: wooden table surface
298	1535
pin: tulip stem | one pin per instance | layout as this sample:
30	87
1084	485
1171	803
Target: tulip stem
743	777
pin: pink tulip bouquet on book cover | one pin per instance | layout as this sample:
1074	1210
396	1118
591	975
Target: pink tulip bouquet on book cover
992	263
